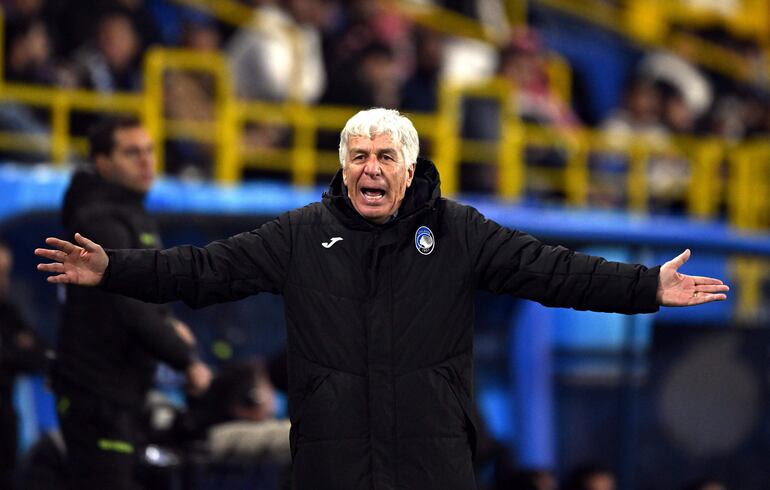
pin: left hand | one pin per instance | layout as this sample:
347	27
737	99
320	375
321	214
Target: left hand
677	289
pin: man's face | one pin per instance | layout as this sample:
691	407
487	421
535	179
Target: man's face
118	42
375	176
132	161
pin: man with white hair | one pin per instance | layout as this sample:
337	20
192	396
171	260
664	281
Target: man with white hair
378	281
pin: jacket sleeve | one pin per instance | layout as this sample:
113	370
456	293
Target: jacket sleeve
512	262
225	270
150	325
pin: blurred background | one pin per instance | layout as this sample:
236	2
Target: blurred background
626	128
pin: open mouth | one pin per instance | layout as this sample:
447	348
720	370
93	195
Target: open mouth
372	194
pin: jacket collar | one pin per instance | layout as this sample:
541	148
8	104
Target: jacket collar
424	192
88	188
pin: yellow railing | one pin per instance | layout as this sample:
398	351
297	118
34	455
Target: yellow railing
708	190
652	23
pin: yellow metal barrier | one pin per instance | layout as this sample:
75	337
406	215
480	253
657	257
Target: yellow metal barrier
651	22
62	103
304	160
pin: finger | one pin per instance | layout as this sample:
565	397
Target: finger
712	288
707	298
56	255
63	245
705	280
55	267
86	243
680	259
58	279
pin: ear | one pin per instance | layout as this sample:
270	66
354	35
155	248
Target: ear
102	163
410	173
345	175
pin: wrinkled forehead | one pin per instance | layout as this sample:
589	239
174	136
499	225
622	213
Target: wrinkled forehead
382	139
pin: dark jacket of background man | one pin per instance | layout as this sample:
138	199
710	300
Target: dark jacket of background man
109	345
380	331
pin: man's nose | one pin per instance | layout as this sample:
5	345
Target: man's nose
372	167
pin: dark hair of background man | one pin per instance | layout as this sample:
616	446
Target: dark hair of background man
102	135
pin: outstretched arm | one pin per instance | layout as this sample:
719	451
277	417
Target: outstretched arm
82	264
677	289
225	270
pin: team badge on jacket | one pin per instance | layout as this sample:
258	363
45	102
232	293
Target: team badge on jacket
424	241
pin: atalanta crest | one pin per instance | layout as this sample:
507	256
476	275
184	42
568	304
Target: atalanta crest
424	241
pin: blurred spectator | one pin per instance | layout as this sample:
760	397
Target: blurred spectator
278	55
371	81
27	60
112	62
237	417
678	116
523	63
28	53
369	54
671	68
640	114
652	112
190	96
365	23
20	351
420	91
591	477
142	19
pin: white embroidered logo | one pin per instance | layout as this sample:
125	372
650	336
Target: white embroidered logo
331	242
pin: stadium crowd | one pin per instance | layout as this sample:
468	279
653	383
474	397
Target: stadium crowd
357	53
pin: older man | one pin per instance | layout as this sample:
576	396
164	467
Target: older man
379	280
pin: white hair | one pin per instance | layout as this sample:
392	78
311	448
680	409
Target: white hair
372	122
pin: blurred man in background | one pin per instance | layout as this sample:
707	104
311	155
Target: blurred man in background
108	346
20	351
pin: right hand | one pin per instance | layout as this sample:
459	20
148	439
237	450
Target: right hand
82	265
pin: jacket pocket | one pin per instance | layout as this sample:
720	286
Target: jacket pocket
300	403
463	403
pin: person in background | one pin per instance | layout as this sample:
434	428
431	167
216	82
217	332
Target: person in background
20	351
523	63
111	63
278	57
236	417
28	53
108	346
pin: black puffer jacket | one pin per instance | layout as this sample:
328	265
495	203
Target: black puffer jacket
381	322
109	344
